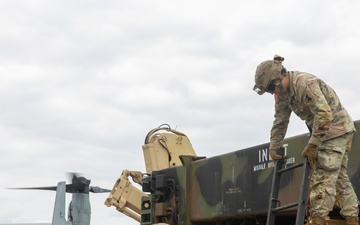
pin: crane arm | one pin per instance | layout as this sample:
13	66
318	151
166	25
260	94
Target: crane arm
126	197
161	150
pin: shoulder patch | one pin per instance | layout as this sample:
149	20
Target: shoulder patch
308	98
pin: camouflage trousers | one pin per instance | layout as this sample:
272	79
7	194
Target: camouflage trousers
330	182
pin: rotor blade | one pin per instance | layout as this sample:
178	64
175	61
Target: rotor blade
96	189
53	188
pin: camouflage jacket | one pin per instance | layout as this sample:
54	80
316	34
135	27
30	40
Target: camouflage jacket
315	102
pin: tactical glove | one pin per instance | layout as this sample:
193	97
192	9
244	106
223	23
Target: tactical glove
274	155
310	151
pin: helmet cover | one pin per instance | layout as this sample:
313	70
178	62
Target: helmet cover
266	72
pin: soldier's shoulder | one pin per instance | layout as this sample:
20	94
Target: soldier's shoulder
303	79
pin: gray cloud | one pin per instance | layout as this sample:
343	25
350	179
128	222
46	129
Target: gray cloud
81	83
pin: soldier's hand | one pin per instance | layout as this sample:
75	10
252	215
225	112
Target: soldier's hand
311	152
275	156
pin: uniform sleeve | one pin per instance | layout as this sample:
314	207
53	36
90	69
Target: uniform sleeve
316	101
280	124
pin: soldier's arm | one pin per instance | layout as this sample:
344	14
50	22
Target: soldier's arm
316	101
280	124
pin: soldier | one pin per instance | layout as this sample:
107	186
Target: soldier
331	130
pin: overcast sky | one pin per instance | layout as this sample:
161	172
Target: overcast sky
83	82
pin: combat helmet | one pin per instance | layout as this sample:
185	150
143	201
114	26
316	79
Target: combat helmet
266	72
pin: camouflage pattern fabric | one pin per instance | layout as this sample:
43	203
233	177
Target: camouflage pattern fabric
318	105
330	182
315	102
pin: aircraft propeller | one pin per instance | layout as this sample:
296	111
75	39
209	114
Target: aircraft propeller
78	184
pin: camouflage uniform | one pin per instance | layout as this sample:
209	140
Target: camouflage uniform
332	129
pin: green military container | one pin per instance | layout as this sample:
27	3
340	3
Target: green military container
232	188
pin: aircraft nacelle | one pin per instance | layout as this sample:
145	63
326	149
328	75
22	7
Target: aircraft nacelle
79	209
